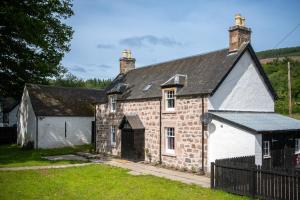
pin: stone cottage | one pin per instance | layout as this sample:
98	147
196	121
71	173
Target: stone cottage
153	113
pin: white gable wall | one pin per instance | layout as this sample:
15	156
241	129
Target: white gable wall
26	121
51	131
227	141
243	89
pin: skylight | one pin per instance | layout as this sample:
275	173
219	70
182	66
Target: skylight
147	87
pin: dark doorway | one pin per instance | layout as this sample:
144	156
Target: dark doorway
127	144
93	139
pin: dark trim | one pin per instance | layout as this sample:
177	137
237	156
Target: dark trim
258	66
171	85
65	129
95	119
292	131
160	131
64	116
37	132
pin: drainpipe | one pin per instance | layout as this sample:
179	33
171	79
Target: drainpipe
37	132
202	136
160	160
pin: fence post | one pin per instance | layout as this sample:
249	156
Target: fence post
212	175
253	182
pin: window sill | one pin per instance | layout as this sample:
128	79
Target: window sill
169	155
169	112
266	157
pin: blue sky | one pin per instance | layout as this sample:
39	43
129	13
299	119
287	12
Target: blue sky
163	30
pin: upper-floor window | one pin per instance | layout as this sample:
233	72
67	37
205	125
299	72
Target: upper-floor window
113	103
170	140
113	135
170	100
297	146
266	149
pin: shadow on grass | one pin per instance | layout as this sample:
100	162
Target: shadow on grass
13	155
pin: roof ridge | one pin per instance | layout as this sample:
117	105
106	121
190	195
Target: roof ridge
64	87
178	59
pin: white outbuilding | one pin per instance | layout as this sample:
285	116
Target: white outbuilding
52	117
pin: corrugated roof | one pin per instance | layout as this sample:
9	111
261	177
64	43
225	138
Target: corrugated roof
63	101
259	121
204	73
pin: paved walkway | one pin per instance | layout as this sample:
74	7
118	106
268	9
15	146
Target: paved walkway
140	169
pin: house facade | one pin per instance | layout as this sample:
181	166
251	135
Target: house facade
153	113
52	117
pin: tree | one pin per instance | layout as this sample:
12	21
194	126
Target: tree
33	41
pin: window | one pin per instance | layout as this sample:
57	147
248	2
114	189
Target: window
113	135
297	146
170	140
170	100
266	149
113	103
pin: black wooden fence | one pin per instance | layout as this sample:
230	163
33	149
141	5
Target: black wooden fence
253	181
8	135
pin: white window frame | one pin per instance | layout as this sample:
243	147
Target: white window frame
113	103
297	145
169	96
267	149
170	133
113	135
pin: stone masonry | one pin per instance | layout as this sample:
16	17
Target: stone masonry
185	120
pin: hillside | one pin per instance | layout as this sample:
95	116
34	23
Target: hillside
276	70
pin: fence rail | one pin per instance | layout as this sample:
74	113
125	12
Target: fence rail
253	181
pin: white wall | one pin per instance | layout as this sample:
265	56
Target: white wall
12	116
243	89
51	131
26	121
227	141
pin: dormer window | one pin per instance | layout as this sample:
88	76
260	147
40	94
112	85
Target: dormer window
113	103
170	100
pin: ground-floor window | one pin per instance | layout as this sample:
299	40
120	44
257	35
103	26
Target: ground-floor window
170	140
297	146
113	135
266	149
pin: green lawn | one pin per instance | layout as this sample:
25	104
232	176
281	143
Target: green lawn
97	182
14	156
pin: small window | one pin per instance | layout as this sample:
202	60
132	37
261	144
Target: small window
170	100
113	103
297	146
170	141
266	149
113	135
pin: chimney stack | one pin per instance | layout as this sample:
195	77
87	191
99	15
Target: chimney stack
127	63
238	34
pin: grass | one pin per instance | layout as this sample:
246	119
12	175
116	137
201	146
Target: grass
14	156
296	116
98	182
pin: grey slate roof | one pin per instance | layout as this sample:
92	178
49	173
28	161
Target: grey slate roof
63	101
204	72
133	120
259	121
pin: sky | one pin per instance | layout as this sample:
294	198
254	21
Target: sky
163	30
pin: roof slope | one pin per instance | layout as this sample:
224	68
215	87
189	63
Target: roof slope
63	101
259	121
203	73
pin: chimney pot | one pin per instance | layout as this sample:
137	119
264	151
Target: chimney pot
127	62
238	34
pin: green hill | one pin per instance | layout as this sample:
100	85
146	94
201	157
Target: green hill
282	52
277	73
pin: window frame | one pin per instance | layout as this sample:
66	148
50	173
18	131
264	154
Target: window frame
267	149
297	145
113	135
113	103
169	96
169	135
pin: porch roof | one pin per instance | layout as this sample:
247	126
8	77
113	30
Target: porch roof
133	120
261	122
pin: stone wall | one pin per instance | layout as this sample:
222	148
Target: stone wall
185	120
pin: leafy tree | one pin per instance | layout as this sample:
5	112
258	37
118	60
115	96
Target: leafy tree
33	41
